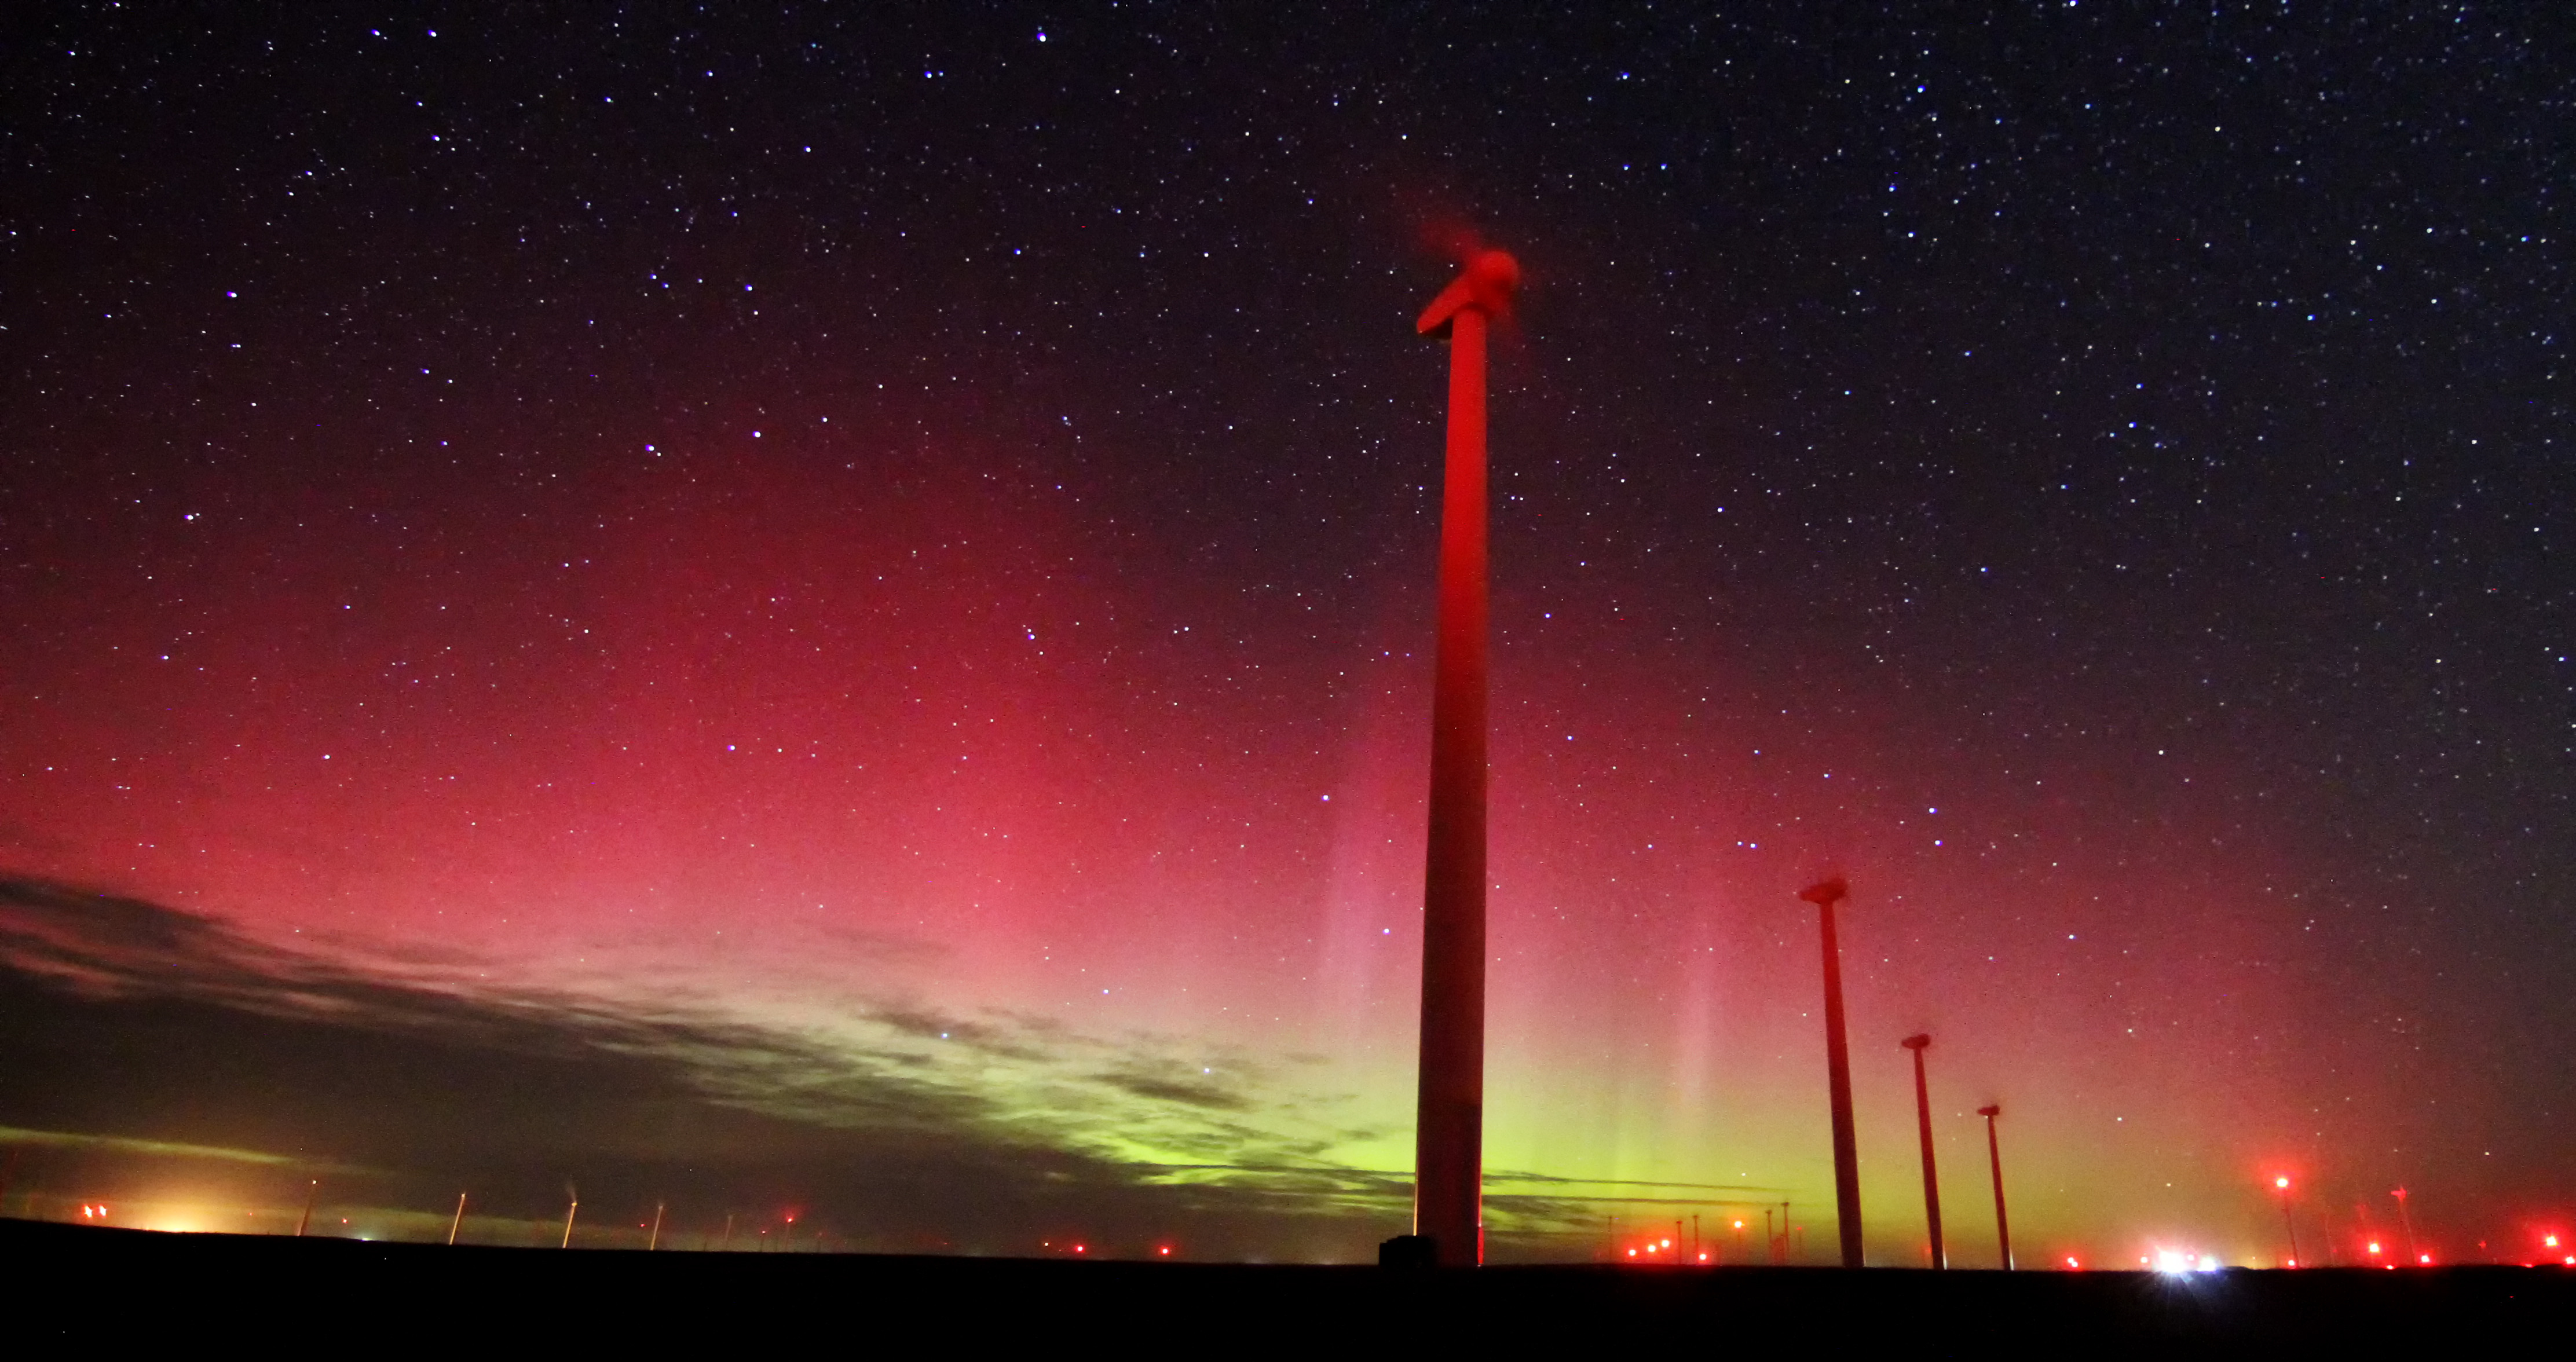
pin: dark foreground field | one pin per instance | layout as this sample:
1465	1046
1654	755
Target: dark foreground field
71	1286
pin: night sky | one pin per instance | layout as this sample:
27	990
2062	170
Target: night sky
829	613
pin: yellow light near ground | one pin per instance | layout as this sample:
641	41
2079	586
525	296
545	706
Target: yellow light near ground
172	1218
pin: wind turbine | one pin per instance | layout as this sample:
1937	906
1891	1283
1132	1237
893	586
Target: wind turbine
1995	1161
1923	1122
1449	1113
1838	1071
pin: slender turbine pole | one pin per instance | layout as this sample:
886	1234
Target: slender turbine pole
1995	1161
1838	1072
1923	1125
2282	1185
2413	1259
459	1222
306	1222
656	1241
1449	1114
569	1213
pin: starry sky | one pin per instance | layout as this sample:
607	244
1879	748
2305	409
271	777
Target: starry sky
827	613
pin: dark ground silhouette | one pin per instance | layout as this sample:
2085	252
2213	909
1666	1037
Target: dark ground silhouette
75	1285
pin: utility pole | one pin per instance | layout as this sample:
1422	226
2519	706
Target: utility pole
1923	1123
1838	1071
1449	1113
1995	1161
458	1223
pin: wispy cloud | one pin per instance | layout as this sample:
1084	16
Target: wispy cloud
174	1036
165	1149
948	1123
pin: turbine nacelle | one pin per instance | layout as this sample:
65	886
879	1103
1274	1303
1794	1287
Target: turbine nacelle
1487	285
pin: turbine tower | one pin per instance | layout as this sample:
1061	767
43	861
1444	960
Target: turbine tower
1923	1123
1995	1161
1838	1071
1449	1114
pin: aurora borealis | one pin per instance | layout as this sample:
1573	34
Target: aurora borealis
833	610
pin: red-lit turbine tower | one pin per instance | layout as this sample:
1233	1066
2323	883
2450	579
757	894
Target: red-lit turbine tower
1449	1115
1825	894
